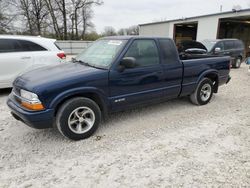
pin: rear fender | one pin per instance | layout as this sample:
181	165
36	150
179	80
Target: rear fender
206	74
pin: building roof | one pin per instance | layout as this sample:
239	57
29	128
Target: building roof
194	17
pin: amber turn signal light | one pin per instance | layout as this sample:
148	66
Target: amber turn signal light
31	106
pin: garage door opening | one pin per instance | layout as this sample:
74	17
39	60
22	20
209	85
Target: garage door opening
185	31
236	27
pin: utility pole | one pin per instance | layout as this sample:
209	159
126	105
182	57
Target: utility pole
221	8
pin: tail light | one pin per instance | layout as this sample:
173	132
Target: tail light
61	55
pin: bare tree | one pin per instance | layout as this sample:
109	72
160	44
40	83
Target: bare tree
35	13
87	14
109	31
84	7
52	17
39	14
5	18
52	9
61	7
133	30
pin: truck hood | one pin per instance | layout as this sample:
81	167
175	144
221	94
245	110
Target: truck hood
51	76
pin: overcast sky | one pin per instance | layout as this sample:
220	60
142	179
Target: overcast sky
124	13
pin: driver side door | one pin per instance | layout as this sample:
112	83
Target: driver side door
139	84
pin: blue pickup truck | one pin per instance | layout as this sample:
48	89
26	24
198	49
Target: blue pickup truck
113	74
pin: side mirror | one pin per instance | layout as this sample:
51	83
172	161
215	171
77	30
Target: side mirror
217	50
127	63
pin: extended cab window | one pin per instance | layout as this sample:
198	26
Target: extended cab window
145	52
169	53
9	45
30	46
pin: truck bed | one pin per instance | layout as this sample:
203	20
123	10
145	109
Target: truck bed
196	68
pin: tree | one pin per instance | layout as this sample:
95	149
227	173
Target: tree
35	14
57	18
82	7
133	30
109	31
87	15
53	8
5	19
68	15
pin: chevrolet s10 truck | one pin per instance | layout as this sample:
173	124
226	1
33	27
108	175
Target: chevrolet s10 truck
113	74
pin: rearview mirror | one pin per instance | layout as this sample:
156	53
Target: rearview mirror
218	49
127	63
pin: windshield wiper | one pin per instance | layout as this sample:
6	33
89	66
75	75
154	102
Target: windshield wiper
86	64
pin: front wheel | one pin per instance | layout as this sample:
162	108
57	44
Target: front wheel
203	92
78	118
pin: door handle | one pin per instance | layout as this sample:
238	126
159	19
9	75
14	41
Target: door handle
26	57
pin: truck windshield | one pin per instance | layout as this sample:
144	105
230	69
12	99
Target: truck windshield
209	44
101	53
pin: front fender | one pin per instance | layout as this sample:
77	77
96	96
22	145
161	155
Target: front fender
78	91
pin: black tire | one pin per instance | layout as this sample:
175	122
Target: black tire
72	107
197	97
237	63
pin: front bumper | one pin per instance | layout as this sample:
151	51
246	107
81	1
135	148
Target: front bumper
35	119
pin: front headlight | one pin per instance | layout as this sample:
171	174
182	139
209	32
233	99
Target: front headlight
28	95
30	100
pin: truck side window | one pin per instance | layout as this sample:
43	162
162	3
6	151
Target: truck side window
145	52
169	53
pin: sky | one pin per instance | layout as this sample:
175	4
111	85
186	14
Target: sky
125	13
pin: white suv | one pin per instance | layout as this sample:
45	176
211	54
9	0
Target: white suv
19	54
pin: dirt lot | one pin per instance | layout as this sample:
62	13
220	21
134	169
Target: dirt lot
173	143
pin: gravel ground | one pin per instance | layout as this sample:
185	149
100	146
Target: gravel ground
170	144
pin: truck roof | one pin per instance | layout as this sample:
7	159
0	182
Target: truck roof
127	37
218	40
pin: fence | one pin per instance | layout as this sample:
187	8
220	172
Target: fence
73	47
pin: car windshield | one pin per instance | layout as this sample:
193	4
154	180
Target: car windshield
101	53
209	44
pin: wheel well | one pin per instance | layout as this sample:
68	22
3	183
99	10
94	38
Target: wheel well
215	80
93	96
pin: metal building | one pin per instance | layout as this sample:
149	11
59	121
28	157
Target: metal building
231	24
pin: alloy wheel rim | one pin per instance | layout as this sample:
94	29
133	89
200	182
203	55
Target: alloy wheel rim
205	93
238	62
81	120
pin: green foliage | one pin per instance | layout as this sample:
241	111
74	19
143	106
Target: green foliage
91	36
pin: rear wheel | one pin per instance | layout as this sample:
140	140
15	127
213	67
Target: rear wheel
237	63
203	92
78	118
